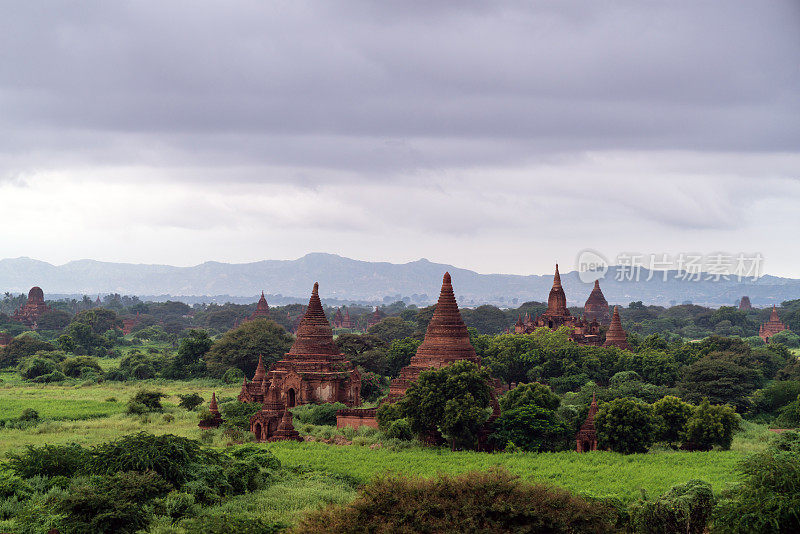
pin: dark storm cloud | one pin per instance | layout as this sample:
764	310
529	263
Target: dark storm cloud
392	86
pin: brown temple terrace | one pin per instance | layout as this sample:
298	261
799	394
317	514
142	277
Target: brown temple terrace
772	326
313	371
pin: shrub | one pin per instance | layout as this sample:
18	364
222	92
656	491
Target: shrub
671	417
527	394
55	376
531	428
172	457
177	504
225	523
399	429
234	375
36	366
775	396
711	425
48	460
263	457
74	365
491	501
146	401
191	401
387	413
683	509
625	425
768	498
116	503
372	386
29	414
237	414
318	414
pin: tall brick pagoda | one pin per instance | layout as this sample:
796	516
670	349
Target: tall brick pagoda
772	326
744	304
446	341
587	435
33	309
596	307
616	336
313	371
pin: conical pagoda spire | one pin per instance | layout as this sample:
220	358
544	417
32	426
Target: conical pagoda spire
557	301
314	334
616	336
260	372
446	337
773	317
596	307
212	407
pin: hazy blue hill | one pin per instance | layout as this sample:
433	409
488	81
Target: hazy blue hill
345	279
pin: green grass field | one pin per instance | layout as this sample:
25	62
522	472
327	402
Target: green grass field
83	413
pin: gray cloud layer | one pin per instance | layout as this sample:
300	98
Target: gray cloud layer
454	118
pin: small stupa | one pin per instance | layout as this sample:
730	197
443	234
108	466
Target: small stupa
587	436
596	307
616	336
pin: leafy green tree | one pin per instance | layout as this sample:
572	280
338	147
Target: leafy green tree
86	340
66	343
392	328
74	366
511	357
530	394
712	425
53	320
146	401
685	508
189	362
672	415
625	425
452	400
400	353
364	350
99	320
190	401
531	428
721	379
20	347
241	347
485	319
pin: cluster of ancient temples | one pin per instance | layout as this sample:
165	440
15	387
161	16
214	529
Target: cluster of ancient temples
584	330
313	371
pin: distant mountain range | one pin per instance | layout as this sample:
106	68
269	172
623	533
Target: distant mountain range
346	280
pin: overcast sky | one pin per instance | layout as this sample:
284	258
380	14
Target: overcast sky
496	136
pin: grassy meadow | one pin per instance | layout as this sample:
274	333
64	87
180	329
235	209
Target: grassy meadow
92	413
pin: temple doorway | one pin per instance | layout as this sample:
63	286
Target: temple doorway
257	430
290	398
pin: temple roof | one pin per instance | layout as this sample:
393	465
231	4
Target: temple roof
557	300
35	295
596	297
262	305
446	337
616	336
260	371
212	407
314	334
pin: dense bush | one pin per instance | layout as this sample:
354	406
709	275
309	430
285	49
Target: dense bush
146	401
317	414
237	414
531	428
684	509
234	375
190	401
211	523
672	414
527	394
711	425
36	366
115	503
48	460
492	501
75	366
21	347
241	347
768	498
625	425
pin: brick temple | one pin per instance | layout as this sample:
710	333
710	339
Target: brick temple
744	304
584	330
313	371
342	320
262	309
587	435
596	307
772	326
34	308
616	336
376	317
274	421
446	341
